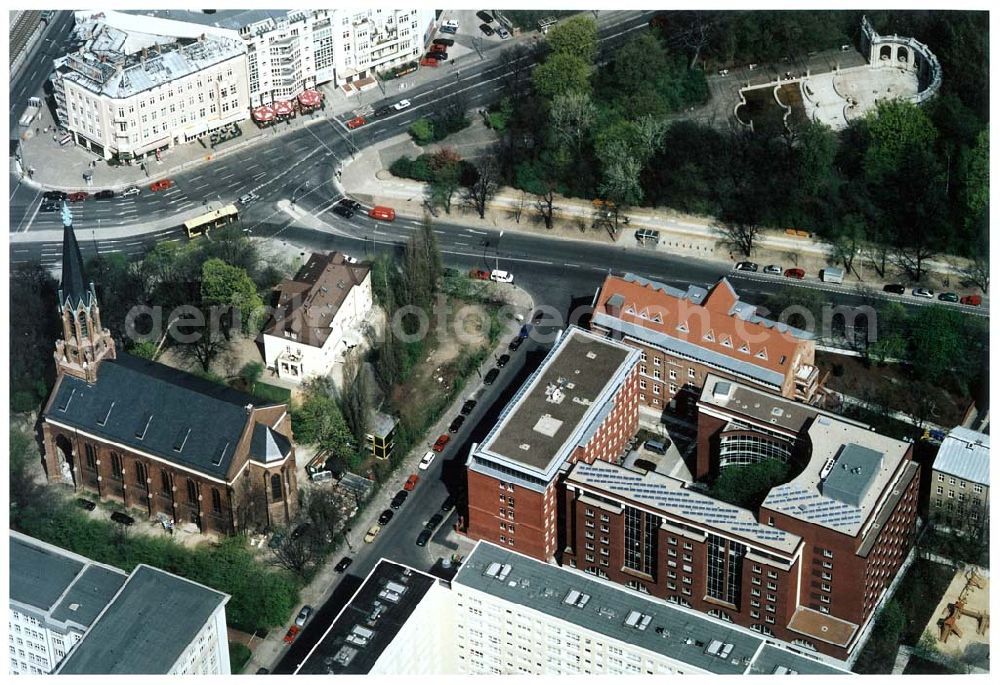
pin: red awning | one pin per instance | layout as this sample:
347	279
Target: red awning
310	98
263	114
283	108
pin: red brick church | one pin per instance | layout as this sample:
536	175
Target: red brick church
157	439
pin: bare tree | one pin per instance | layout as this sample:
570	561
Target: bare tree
545	203
203	344
690	31
912	258
519	207
251	507
485	187
737	235
355	396
571	116
297	551
515	63
977	271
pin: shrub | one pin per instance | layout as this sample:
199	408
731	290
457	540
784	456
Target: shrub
239	655
422	131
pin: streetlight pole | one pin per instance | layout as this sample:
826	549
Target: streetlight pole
498	250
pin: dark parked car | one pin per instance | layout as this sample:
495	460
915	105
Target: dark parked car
502	360
382	111
398	500
385	517
746	266
105	195
896	288
50	206
439	56
343	564
483	15
434	522
424	536
491	376
56	195
448	504
447	42
468	407
485	28
514	344
353	205
343	211
456	424
948	297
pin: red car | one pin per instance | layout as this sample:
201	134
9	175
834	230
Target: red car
439	445
479	274
292	633
428	62
795	273
411	482
356	122
163	184
972	300
78	196
439	48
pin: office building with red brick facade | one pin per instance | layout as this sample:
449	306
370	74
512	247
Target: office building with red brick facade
684	335
809	568
157	440
579	406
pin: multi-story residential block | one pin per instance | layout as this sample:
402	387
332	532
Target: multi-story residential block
155	439
318	316
142	84
960	481
685	335
291	51
71	615
578	406
508	614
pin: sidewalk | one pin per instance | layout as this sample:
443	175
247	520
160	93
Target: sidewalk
367	178
271	649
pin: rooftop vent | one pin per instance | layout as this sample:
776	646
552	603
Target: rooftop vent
524	446
74	606
554	394
577	599
722	390
778	411
591	355
504	572
492	570
638	620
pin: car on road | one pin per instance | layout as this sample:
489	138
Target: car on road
456	424
292	633
468	406
341	210
411	482
162	184
382	111
55	195
746	266
248	199
441	442
483	15
373	533
502	360
78	196
479	275
385	517
105	195
401	105
439	56
895	288
503	33
448	504
434	522
304	616
972	300
424	536
356	122
398	500
50	207
447	42
515	343
924	293
795	273
948	297
427	460
450	24
343	564
353	205
772	269
486	29
500	276
437	47
449	29
132	191
491	376
382	213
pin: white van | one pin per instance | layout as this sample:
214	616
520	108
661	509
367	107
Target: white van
832	274
501	276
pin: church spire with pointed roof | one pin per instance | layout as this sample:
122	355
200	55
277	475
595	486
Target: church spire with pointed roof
85	342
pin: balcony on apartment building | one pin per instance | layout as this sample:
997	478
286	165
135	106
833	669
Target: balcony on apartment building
806	382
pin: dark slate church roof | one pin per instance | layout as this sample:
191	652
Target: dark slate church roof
73	286
267	444
167	413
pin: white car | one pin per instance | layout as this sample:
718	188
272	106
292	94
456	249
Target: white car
501	276
503	33
772	269
923	292
451	24
131	191
427	461
401	105
248	199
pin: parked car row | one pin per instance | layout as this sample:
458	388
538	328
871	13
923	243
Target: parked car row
928	294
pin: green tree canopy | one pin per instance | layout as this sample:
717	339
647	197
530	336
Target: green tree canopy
560	74
895	128
576	36
229	286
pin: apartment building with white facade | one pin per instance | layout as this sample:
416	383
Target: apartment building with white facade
69	614
141	84
291	51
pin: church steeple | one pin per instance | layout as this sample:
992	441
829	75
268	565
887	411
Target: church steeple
85	343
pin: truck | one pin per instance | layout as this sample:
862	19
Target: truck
832	274
34	107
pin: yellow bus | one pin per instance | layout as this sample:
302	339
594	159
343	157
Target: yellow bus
214	219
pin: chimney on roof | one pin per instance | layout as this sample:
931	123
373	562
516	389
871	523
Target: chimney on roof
249	409
613	305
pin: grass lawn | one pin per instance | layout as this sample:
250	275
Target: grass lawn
271	393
